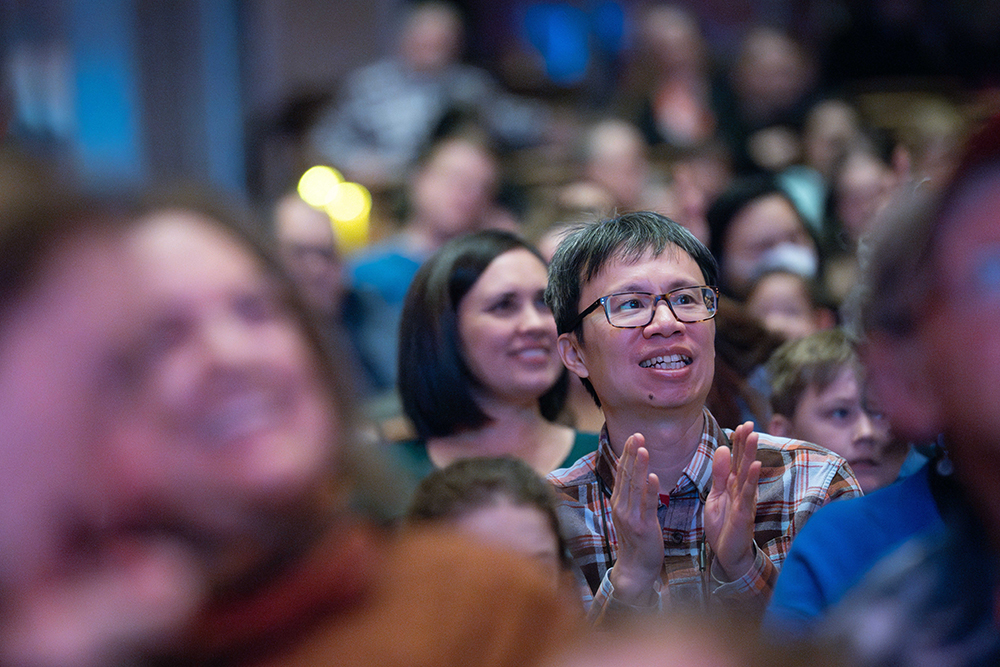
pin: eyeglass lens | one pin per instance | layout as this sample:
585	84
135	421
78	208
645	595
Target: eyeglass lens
635	309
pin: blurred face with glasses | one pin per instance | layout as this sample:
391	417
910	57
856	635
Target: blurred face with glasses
645	335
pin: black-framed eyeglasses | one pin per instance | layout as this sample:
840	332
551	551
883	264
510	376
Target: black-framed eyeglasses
630	310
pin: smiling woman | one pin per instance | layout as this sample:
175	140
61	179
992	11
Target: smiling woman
179	460
479	374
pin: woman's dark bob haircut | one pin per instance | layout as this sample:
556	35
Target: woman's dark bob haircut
436	385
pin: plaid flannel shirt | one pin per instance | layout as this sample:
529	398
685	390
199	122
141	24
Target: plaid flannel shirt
797	478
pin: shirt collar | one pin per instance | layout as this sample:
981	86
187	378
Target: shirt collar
697	474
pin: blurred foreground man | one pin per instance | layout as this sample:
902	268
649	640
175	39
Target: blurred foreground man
934	319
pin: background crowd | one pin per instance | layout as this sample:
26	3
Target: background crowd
619	327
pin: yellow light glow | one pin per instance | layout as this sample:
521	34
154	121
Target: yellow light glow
350	209
350	201
319	185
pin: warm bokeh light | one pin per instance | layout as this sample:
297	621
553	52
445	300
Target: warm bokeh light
348	204
350	201
350	209
319	185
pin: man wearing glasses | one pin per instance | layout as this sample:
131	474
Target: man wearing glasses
670	501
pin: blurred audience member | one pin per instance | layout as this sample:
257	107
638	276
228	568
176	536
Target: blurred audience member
74	591
698	176
830	126
674	78
754	226
308	249
479	374
616	157
771	86
789	304
933	338
500	501
386	111
452	191
864	180
819	394
231	439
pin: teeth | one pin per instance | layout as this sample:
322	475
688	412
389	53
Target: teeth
671	362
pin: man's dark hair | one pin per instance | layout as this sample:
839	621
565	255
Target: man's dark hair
434	380
627	237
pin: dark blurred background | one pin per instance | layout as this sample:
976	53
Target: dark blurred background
221	90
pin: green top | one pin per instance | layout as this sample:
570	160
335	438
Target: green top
412	454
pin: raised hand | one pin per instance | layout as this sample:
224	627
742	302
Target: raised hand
640	539
732	503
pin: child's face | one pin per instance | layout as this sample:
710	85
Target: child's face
839	419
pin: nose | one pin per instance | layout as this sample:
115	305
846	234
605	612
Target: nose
664	322
865	431
224	341
534	318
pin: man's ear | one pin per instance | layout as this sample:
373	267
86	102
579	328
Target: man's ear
780	426
571	354
897	379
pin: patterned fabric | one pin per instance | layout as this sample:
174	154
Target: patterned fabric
796	479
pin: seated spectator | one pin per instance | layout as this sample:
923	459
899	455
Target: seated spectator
770	87
754	226
674	79
500	501
819	394
788	304
933	333
830	126
672	510
870	171
615	156
479	374
452	191
386	111
307	246
74	592
224	429
862	183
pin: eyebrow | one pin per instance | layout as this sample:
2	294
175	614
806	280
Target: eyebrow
637	287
